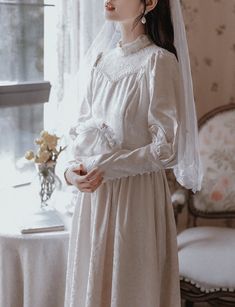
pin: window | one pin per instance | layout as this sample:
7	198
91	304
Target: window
27	40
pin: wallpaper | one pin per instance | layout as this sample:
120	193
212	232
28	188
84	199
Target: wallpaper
210	26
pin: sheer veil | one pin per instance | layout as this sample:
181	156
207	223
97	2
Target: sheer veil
188	170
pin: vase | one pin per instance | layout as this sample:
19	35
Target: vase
48	181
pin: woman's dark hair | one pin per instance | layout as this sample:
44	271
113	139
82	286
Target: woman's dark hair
159	26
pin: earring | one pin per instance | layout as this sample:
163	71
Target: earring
143	19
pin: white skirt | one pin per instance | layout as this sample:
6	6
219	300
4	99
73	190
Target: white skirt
122	249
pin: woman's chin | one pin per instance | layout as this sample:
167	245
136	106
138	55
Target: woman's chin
110	16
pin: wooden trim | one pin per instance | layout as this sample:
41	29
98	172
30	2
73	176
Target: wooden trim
221	297
25	93
208	214
203	120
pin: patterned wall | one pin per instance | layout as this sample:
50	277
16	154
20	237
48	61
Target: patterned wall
210	26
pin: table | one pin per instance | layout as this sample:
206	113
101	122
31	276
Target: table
32	266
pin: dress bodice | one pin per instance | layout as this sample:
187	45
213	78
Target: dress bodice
126	59
131	102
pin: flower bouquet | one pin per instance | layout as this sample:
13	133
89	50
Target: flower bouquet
45	160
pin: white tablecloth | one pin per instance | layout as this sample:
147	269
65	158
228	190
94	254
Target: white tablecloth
32	266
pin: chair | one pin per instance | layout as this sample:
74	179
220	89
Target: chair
207	253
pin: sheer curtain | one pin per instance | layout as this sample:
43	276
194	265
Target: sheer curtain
21	60
78	21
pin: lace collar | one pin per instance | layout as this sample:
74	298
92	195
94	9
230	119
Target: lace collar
141	42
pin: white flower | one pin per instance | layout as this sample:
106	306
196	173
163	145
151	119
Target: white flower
39	141
44	156
47	150
43	147
43	133
29	155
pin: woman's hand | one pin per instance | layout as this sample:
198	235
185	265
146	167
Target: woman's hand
85	182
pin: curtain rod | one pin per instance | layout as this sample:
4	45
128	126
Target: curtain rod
25	3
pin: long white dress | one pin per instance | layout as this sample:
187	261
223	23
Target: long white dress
122	250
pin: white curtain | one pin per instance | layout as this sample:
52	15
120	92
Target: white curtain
78	21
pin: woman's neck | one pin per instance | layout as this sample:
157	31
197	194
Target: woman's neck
128	34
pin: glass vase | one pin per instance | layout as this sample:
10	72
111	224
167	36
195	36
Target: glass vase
48	181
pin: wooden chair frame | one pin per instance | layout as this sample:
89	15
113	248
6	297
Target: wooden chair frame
190	291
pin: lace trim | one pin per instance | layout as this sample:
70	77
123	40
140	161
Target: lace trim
125	66
141	42
139	71
203	289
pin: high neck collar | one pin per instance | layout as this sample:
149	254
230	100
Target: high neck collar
139	43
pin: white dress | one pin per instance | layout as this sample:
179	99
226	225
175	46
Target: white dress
122	250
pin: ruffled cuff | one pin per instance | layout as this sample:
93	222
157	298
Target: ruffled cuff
160	147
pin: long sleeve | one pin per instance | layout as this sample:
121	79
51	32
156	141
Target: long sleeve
165	95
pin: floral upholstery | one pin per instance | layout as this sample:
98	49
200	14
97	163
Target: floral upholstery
217	148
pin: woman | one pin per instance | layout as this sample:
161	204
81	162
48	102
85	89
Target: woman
132	125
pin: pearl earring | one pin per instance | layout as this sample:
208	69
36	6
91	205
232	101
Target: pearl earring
143	19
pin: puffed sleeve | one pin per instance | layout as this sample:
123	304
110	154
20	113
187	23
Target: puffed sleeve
165	99
163	124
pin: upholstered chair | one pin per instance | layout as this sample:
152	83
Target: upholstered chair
207	253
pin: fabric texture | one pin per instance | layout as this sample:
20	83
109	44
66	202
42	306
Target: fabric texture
123	249
217	150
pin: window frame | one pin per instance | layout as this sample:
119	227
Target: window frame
25	93
17	94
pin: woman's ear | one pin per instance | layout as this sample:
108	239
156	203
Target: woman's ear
151	4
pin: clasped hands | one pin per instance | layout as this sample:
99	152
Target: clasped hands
83	180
